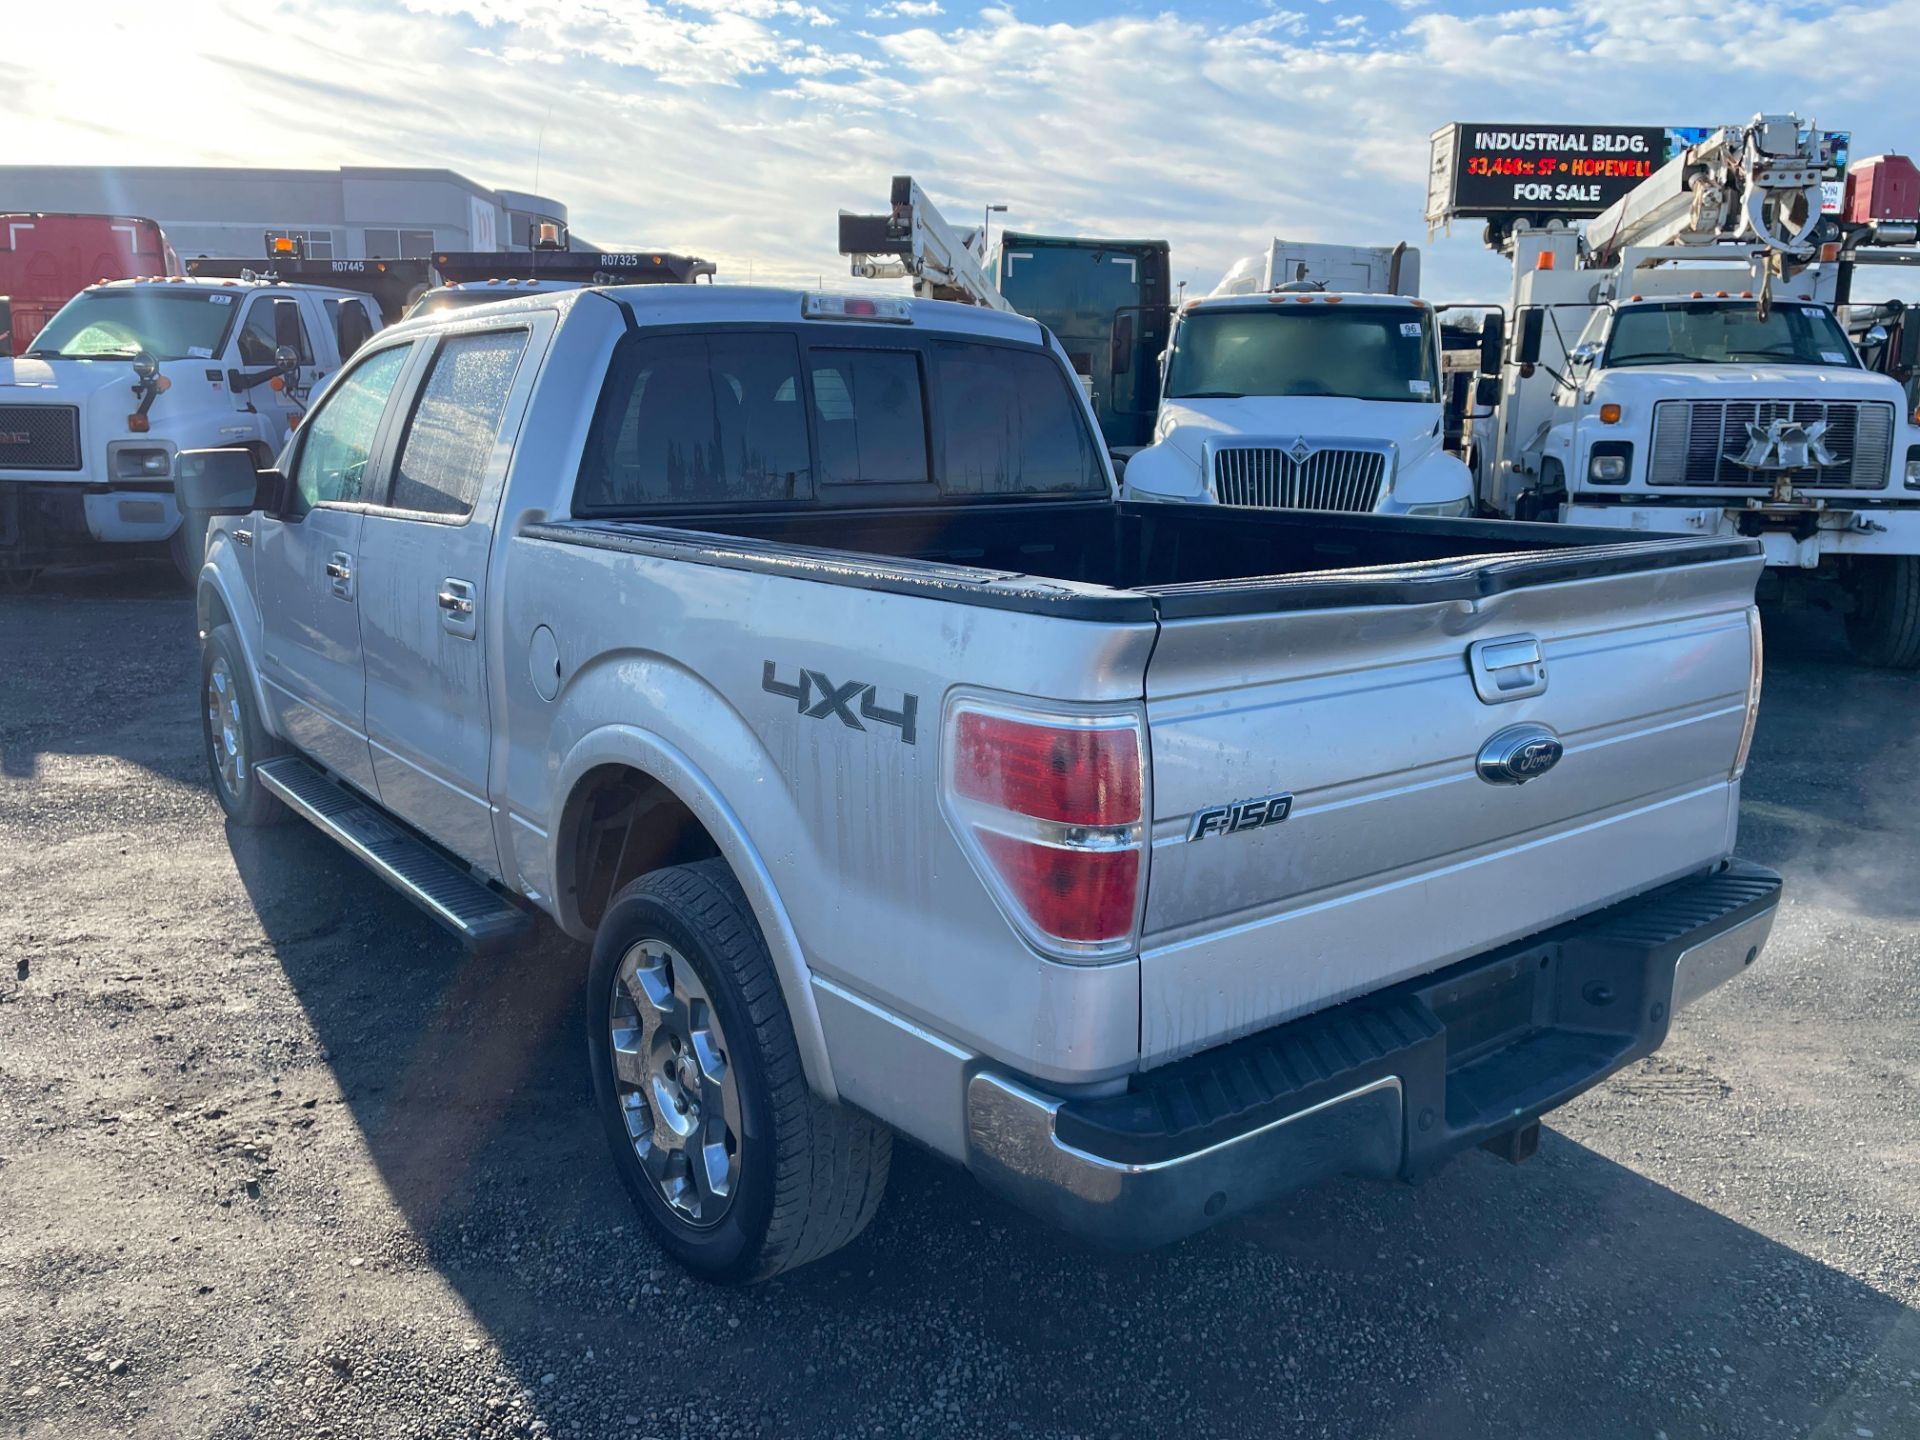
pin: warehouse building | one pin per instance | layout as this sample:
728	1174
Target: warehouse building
357	212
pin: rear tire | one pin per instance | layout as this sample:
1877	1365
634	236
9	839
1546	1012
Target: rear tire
235	739
1884	626
737	1167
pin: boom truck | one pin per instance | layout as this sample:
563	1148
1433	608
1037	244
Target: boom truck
1678	366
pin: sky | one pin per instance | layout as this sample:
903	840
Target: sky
737	129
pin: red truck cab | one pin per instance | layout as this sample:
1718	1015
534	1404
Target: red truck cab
46	259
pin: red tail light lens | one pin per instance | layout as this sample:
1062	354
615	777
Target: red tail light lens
1051	808
1074	776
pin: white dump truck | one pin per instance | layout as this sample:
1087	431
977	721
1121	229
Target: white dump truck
1678	366
1311	379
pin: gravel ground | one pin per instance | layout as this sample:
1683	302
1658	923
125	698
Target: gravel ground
277	1159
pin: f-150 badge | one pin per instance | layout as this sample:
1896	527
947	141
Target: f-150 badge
1240	816
818	698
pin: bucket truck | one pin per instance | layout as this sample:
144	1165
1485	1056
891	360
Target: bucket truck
1679	366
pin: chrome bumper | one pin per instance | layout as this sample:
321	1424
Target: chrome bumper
1467	1056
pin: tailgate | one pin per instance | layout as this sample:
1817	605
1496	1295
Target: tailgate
1396	856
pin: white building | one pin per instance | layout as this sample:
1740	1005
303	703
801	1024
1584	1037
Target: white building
357	212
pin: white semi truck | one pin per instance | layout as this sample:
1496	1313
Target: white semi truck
1310	378
1678	367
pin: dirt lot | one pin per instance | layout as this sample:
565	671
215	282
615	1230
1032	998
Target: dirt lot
277	1159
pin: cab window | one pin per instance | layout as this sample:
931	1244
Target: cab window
257	342
456	422
338	437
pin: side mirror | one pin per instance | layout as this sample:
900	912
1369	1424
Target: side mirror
286	327
1486	392
1584	354
218	482
1876	336
351	328
286	358
1493	342
1529	327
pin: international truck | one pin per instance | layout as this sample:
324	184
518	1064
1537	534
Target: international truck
795	653
1311	378
1679	366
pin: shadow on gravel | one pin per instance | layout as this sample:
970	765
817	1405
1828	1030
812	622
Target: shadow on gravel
1568	1297
60	697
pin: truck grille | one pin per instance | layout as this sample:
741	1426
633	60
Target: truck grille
1697	442
39	437
1271	479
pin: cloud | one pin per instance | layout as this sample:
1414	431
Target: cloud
737	129
907	10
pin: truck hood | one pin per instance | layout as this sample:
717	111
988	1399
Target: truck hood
1187	424
1759	382
68	382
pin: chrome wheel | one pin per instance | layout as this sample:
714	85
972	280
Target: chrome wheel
675	1088
224	733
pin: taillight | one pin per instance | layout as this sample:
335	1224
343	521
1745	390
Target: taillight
1051	808
1754	667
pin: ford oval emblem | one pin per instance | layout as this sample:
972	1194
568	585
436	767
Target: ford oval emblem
1518	754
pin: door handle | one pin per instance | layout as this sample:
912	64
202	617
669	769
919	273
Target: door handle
1509	668
340	571
242	537
456	601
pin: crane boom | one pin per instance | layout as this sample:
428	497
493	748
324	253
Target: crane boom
913	241
1757	183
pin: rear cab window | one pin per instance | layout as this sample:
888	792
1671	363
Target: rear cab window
759	417
450	438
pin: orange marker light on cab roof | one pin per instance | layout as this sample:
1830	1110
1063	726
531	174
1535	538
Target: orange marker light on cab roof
1699	295
1610	414
1333	299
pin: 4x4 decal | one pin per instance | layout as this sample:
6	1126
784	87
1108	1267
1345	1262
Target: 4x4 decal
817	697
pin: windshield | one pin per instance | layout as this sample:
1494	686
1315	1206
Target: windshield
1362	352
1714	332
183	324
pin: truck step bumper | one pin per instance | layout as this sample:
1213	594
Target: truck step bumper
482	918
1387	1085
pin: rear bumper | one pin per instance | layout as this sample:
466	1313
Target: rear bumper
1390	1084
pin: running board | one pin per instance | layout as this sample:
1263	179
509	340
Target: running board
483	918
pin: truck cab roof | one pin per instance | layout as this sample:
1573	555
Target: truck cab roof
195	282
1280	297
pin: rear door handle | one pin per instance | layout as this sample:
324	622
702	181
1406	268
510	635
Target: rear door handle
242	537
340	572
1509	668
456	601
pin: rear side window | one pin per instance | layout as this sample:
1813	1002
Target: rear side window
872	417
699	419
450	440
1010	425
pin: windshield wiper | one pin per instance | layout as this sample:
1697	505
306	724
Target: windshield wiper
1212	395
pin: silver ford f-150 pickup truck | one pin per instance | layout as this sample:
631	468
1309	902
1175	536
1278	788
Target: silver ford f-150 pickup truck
1148	861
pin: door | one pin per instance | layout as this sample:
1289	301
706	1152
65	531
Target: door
424	598
272	321
307	573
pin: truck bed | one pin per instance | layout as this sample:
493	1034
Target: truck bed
1117	561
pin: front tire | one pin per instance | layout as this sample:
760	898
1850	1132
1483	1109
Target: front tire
737	1167
1884	625
236	741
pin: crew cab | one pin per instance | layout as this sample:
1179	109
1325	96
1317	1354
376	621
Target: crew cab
1149	861
127	375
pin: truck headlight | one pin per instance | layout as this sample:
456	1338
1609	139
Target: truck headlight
1610	462
1913	467
142	462
1445	509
